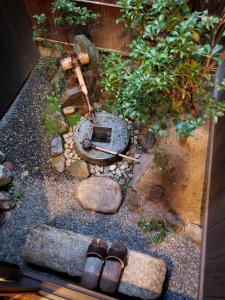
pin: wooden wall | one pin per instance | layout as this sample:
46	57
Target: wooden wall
17	51
212	277
103	31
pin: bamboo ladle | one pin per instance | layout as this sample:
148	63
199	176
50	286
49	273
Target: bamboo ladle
87	145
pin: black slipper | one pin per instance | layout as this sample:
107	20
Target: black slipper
114	265
95	257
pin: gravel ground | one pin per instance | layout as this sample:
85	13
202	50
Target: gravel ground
49	198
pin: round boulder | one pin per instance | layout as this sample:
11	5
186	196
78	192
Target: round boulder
99	194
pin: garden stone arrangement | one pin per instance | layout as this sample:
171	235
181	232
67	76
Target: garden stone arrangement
44	242
7	193
49	197
154	207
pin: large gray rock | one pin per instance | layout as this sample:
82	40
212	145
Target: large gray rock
91	74
2	157
64	251
57	145
100	194
83	44
80	169
5	176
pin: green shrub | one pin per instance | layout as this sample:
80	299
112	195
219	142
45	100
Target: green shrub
68	13
168	75
51	122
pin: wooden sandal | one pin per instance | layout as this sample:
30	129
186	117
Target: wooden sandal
95	257
114	265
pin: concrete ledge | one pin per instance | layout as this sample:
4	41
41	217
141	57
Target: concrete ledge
64	251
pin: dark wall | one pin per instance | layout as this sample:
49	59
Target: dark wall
18	53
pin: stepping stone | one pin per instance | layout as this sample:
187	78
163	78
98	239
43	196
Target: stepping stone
99	194
80	169
5	176
64	251
57	145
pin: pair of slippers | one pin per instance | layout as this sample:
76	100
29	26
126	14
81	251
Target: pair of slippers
107	265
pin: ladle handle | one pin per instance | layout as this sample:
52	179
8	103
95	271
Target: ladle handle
114	153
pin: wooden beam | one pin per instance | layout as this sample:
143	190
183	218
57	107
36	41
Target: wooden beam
100	3
65	44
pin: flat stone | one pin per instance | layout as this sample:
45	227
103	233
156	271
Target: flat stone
57	145
72	97
134	200
140	170
5	200
2	157
80	169
69	110
148	141
194	231
100	194
59	163
64	251
5	176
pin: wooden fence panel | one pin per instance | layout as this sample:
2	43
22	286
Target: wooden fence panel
103	31
212	279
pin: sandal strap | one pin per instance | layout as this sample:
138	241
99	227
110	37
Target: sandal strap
96	251
118	255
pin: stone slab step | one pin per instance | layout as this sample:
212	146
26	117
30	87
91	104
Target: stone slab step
64	251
